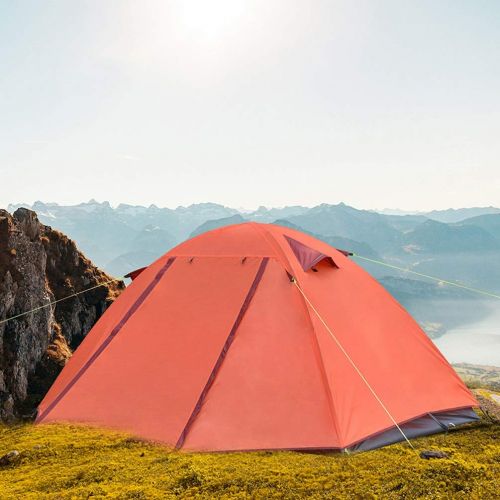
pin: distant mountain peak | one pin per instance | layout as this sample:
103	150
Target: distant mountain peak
460	214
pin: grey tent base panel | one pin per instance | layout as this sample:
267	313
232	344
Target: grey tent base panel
431	423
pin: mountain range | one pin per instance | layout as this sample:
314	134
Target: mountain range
457	244
126	236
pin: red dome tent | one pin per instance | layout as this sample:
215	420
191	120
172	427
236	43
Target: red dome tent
256	336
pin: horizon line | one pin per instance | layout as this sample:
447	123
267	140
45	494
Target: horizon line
93	201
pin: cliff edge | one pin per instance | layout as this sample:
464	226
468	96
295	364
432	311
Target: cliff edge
39	265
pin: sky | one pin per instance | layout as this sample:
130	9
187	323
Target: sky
376	103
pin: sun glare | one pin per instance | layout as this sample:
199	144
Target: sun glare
202	41
208	21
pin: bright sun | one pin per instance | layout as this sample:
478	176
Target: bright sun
201	40
209	20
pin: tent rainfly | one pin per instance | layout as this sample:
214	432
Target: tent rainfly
254	337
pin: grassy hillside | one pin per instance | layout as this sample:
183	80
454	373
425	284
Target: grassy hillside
475	376
77	462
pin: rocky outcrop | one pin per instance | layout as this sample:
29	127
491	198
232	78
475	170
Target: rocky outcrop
39	265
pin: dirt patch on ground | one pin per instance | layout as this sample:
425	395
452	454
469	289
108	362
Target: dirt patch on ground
489	402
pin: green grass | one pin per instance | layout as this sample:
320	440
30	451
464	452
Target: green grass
63	461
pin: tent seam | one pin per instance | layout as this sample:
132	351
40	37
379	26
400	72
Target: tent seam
356	368
105	343
222	355
270	240
326	384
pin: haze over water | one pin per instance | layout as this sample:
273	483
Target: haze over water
478	343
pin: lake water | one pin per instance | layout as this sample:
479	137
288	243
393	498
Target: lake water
477	343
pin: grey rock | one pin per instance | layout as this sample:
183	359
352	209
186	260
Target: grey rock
39	265
11	458
427	454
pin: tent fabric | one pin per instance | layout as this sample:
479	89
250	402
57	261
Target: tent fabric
113	333
422	426
225	348
212	347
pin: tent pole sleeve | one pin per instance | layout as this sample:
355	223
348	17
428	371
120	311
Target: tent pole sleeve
358	371
116	330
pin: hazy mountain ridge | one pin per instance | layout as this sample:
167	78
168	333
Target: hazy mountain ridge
110	236
105	233
342	220
438	237
128	237
217	223
335	241
448	215
488	222
460	214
